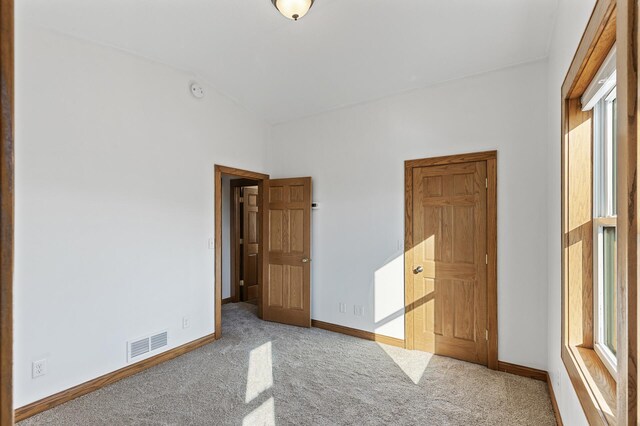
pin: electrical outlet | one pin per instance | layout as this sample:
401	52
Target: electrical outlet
39	368
186	322
358	310
342	307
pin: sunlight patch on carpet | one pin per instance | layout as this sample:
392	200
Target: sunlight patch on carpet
264	415
412	363
260	374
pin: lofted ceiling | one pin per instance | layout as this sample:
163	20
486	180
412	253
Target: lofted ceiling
342	53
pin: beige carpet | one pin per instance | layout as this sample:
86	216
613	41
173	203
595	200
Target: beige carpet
262	373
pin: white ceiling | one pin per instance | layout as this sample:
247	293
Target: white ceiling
343	52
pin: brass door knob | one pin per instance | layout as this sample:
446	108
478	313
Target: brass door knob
306	260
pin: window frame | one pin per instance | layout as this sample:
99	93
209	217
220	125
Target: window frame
595	386
607	357
604	208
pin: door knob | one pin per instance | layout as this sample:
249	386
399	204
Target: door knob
306	260
418	270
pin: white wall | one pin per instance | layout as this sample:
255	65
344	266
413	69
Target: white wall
571	22
114	204
355	156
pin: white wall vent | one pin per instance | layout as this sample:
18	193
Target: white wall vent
158	341
137	349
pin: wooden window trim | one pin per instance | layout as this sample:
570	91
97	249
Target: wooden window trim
604	399
492	243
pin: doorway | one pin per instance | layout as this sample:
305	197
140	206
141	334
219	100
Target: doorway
451	256
276	269
226	175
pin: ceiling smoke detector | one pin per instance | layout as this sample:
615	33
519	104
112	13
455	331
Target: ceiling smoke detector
197	91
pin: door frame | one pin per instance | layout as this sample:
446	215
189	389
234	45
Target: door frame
7	204
260	178
490	157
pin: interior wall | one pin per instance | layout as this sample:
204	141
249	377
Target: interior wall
114	204
571	21
355	156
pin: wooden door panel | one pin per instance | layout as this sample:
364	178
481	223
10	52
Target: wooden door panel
276	193
251	267
252	228
449	244
464	318
296	193
275	297
296	295
464	247
449	270
287	292
276	226
297	231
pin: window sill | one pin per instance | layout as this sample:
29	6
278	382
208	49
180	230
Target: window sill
593	383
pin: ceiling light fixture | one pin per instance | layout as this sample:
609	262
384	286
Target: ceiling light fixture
293	9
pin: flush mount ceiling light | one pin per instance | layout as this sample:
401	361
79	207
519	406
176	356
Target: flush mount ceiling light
293	9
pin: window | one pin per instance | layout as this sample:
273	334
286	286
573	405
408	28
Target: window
599	308
591	237
604	225
601	97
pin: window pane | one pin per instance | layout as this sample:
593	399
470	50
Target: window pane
609	288
614	156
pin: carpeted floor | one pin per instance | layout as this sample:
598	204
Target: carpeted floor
263	373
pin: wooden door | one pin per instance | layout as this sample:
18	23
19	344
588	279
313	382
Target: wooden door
449	253
250	243
286	293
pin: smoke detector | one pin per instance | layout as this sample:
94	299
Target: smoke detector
197	91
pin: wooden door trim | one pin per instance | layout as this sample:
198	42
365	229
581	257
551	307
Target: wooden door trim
471	157
492	242
7	210
231	171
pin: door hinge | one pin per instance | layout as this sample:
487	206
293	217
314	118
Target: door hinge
241	283
241	200
486	334
486	259
241	240
486	183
